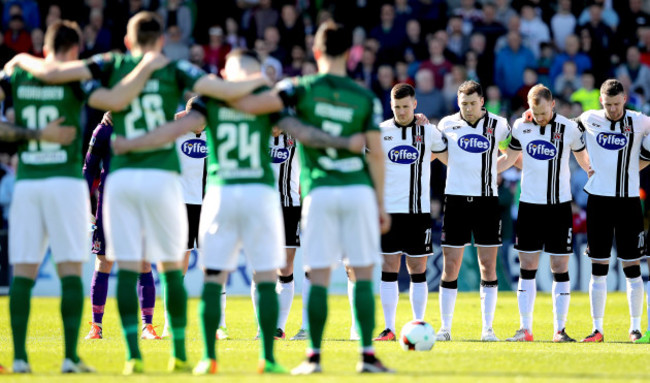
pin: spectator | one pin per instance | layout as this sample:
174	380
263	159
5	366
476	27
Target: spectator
309	67
390	35
383	86
644	44
533	30
403	11
563	23
366	70
520	101
175	13
356	52
53	14
415	48
437	63
471	65
602	39
402	73
102	41
298	58
490	27
483	68
271	66
638	74
608	14
572	53
568	81
431	103
634	18
233	38
37	42
514	25
272	40
544	64
587	95
28	9
256	19
216	50
6	53
16	37
458	41
291	28
453	80
430	13
197	57
510	64
504	11
469	13
493	103
443	37
175	48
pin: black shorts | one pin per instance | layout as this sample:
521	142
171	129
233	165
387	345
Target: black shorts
546	228
615	217
193	218
409	234
291	216
464	216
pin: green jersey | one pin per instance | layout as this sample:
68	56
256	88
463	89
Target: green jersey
238	145
36	104
340	107
156	105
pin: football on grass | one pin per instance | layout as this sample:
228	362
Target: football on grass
417	335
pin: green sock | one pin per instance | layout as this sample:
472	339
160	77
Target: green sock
19	304
317	313
209	315
127	305
176	303
267	312
72	301
364	307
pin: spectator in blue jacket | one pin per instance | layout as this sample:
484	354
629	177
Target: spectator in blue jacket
510	64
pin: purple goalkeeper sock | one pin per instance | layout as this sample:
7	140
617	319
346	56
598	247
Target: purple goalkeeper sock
98	292
147	295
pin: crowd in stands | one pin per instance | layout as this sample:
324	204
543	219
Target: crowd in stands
508	46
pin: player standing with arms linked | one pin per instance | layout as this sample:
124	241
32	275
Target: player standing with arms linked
408	149
545	220
471	202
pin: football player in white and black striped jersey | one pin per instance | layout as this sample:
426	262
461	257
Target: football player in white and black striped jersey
613	136
471	203
408	150
545	221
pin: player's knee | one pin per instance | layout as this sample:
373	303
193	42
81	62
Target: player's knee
599	269
419	278
633	271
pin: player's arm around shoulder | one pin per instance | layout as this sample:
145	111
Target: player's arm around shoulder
512	154
437	142
317	138
377	168
161	135
212	86
50	71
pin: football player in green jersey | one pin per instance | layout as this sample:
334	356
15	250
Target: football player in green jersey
240	193
51	203
341	215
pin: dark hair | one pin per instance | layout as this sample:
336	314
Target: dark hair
146	27
332	39
612	87
539	92
470	87
62	35
402	90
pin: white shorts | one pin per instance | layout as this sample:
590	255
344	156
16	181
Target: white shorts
53	210
340	223
241	216
144	216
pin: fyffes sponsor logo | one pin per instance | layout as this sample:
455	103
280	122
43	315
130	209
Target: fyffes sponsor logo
279	155
474	143
611	141
195	148
541	150
403	154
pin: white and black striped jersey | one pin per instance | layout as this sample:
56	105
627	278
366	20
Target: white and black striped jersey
192	153
614	150
473	152
407	151
546	178
286	167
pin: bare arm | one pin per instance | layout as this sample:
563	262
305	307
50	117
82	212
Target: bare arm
583	160
50	71
643	164
120	96
263	103
212	86
376	165
508	159
161	135
442	157
317	138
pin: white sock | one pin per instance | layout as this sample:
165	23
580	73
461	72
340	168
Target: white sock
488	304
419	295
353	323
635	301
561	298
598	297
526	293
285	298
389	294
447	301
306	286
254	299
222	320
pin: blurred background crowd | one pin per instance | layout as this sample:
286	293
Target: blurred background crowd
508	46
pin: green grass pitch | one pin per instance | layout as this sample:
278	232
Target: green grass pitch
464	359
